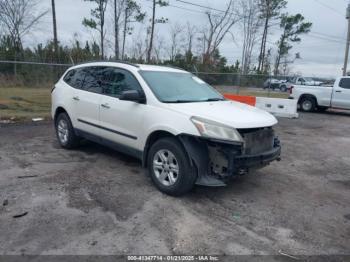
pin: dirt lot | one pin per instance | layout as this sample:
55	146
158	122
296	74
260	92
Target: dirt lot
97	201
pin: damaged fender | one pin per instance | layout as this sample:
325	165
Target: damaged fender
198	154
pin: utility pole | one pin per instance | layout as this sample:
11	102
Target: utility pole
347	42
149	52
55	40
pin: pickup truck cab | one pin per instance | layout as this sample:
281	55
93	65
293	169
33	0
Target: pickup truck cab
183	130
321	98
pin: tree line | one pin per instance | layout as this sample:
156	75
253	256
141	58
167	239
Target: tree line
189	46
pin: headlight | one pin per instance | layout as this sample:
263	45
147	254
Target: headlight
208	128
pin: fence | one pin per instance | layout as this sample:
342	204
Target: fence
34	80
36	74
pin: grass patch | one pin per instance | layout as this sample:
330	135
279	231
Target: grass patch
25	103
22	103
264	94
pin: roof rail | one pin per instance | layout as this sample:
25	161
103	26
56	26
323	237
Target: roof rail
124	62
175	67
110	61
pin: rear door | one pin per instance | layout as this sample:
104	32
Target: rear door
341	94
87	96
121	120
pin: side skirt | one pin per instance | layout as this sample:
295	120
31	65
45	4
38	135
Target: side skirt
111	144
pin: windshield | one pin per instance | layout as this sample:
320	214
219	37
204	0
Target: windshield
308	79
172	87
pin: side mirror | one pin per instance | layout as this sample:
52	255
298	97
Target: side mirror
132	95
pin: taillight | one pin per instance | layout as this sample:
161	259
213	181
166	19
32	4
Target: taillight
291	90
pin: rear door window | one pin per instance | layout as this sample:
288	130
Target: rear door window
92	80
345	83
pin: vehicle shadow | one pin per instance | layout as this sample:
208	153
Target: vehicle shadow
91	148
235	185
337	112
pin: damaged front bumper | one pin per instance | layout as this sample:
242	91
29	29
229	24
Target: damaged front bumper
217	161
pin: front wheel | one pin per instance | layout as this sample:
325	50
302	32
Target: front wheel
170	168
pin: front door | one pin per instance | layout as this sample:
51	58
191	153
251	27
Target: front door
121	121
341	94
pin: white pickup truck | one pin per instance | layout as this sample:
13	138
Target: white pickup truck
321	98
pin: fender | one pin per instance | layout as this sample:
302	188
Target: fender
198	154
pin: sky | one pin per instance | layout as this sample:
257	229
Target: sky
322	51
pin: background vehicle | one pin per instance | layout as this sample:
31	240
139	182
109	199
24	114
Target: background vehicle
305	81
181	129
273	84
311	98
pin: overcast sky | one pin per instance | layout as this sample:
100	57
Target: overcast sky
322	51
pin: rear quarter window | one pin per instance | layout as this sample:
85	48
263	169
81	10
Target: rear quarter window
69	77
75	78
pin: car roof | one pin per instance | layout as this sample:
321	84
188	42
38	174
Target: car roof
126	65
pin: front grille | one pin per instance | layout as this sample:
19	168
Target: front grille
258	141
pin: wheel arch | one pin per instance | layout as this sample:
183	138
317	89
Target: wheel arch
307	96
58	111
196	152
151	139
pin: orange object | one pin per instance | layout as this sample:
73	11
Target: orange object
250	100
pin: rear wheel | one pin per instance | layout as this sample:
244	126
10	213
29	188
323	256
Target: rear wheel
283	88
170	168
65	132
308	104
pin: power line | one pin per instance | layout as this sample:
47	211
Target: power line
190	10
207	8
218	10
325	38
202	6
329	7
331	36
328	37
187	9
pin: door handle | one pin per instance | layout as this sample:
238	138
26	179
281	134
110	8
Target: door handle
76	98
338	91
105	106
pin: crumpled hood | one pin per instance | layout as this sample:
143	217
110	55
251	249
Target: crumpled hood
234	114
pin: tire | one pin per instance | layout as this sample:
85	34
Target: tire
65	132
283	88
308	104
170	168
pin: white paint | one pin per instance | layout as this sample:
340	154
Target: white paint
140	120
278	106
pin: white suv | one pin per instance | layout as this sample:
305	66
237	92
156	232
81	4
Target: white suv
181	129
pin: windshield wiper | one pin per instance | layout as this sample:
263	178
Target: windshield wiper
180	101
194	101
214	99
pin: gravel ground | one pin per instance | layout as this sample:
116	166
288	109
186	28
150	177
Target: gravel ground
97	201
